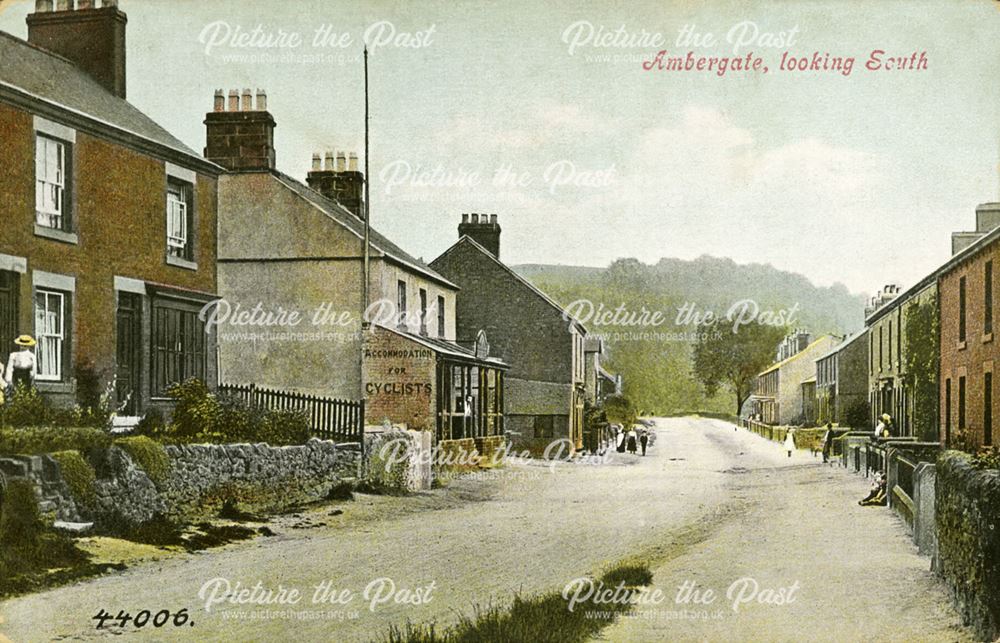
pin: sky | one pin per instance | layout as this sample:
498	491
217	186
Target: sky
543	114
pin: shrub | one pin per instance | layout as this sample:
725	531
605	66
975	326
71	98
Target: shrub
280	428
20	520
152	424
26	407
196	410
78	474
987	458
856	416
149	455
94	404
202	417
38	440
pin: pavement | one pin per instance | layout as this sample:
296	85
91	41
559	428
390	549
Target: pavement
708	506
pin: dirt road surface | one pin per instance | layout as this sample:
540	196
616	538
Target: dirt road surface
708	505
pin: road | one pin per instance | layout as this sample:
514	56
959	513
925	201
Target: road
708	505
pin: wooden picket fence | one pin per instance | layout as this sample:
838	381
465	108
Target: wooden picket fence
329	418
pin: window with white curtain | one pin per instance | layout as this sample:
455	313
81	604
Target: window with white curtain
50	183
50	322
178	221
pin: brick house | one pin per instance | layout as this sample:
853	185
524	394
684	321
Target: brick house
842	379
967	289
778	390
109	242
546	386
889	387
288	246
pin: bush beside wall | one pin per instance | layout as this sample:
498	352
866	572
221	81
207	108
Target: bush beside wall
968	533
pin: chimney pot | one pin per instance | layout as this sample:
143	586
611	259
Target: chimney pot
261	100
352	162
481	228
341	161
92	40
317	163
238	139
328	161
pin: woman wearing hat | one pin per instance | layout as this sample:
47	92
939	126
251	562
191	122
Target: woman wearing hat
22	365
884	427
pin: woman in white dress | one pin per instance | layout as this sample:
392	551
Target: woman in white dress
790	442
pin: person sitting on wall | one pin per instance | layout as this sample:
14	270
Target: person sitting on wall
877	495
884	427
22	367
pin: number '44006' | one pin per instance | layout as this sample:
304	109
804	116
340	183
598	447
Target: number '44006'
142	619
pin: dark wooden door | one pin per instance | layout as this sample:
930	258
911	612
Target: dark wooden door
129	354
8	312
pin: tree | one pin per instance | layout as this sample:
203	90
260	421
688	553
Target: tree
733	359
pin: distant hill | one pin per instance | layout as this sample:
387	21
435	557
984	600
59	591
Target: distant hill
657	368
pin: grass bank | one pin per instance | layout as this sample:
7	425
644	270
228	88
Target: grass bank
583	612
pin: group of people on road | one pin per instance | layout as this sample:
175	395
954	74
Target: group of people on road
21	368
631	440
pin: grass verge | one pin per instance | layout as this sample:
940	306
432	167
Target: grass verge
543	618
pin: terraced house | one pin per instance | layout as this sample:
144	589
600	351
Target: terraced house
109	242
778	391
967	287
893	387
842	381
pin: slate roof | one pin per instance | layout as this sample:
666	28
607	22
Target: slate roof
444	347
850	339
38	75
532	287
346	218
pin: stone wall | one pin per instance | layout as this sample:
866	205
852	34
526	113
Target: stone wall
967	509
256	476
199	480
54	497
397	460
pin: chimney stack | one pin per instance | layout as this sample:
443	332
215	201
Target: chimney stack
483	229
241	136
340	180
92	37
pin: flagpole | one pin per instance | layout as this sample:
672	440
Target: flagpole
367	295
